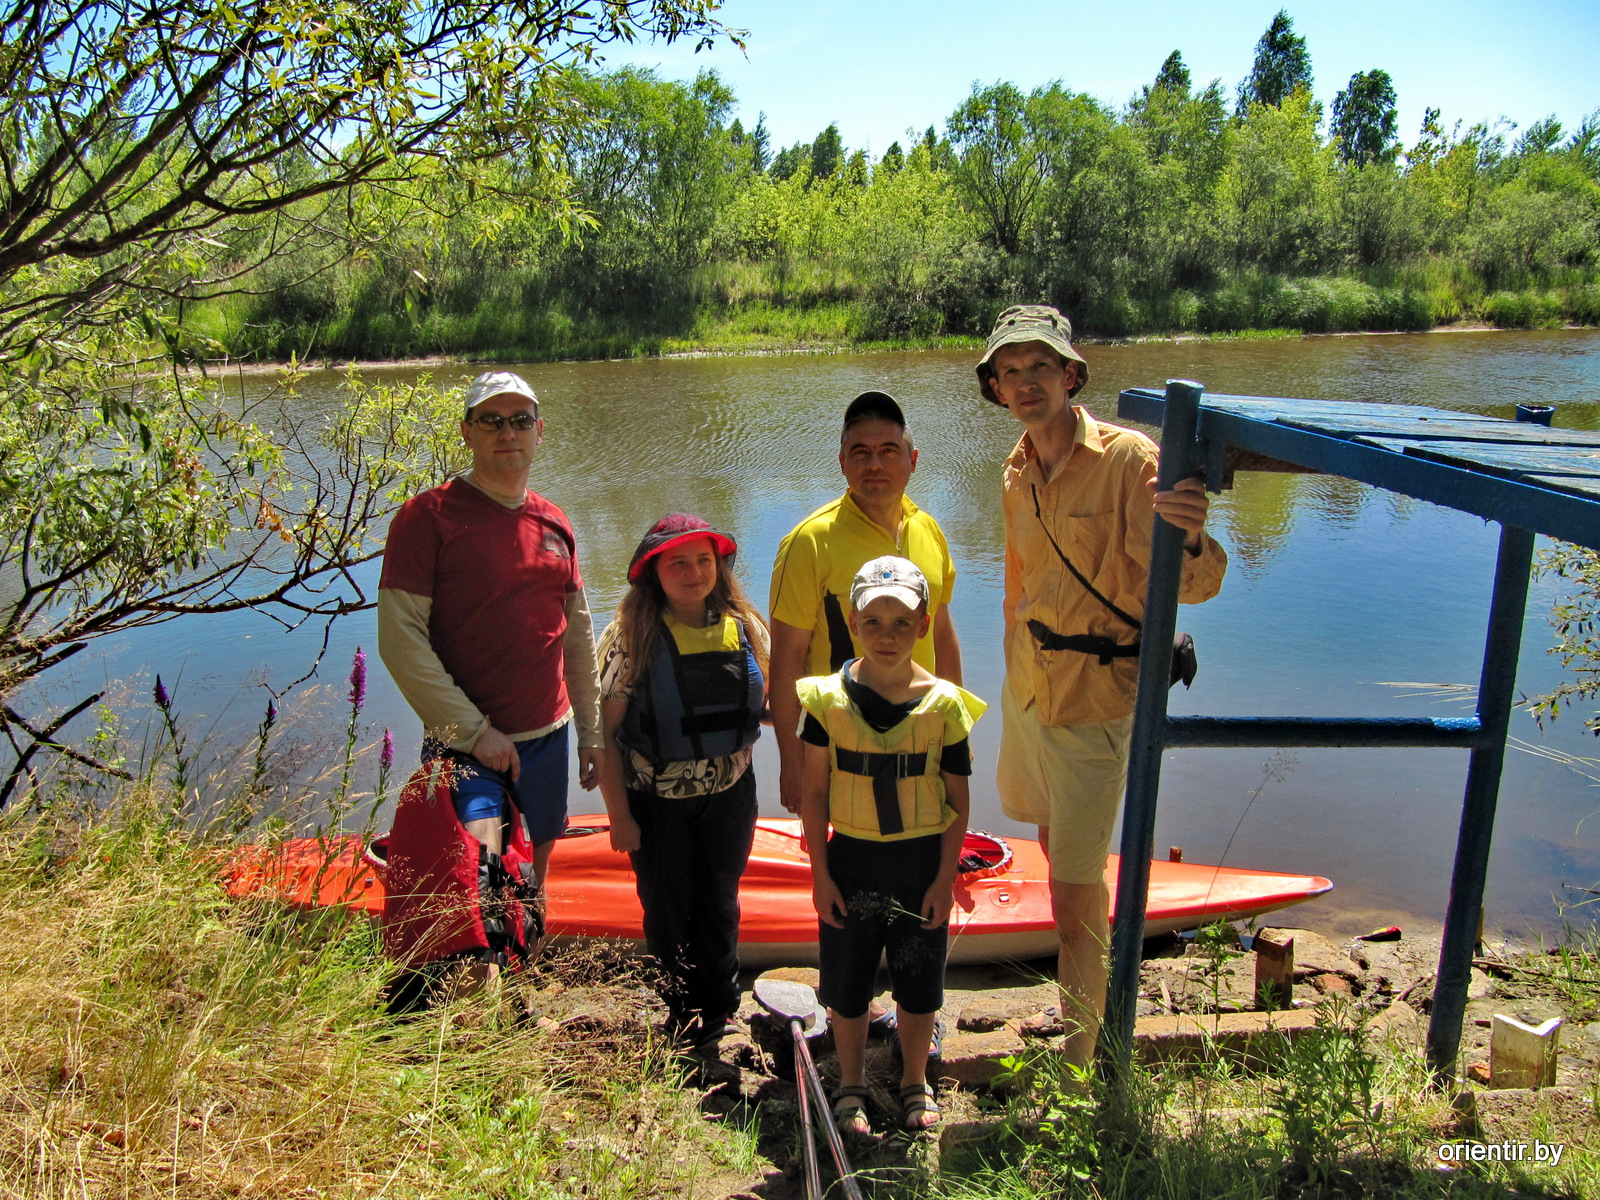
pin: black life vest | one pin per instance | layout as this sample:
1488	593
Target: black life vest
445	894
703	705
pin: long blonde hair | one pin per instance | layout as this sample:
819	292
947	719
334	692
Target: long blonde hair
645	603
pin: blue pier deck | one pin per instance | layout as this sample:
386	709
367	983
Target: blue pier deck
1529	478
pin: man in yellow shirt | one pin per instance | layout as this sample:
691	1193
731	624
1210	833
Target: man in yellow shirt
818	561
1081	492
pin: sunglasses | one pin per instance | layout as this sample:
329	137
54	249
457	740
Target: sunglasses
521	422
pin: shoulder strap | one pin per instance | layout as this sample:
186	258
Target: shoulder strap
1066	562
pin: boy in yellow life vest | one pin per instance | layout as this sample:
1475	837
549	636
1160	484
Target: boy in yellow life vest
886	762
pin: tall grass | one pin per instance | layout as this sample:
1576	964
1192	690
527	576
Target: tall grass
1333	1114
160	1039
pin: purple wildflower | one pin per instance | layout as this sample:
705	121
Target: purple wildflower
272	712
163	701
358	681
386	754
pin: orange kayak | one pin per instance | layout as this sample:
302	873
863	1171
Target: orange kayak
1002	909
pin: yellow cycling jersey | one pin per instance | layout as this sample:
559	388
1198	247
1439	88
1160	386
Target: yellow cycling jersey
886	786
818	561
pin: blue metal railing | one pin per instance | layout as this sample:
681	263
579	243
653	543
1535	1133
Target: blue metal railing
1193	437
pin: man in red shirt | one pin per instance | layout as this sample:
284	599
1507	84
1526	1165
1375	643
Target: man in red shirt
483	624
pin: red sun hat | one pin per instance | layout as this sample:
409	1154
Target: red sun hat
672	529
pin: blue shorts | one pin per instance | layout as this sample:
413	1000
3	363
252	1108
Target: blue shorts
540	790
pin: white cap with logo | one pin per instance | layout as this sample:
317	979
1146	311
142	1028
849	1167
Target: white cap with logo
498	383
889	575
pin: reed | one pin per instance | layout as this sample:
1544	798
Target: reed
163	1040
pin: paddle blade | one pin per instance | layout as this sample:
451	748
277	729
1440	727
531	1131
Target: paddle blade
792	1002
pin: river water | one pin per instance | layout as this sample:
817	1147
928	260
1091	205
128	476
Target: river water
1339	600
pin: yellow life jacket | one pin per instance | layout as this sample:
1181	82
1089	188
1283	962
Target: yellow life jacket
886	786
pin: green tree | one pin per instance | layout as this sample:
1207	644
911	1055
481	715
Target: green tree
153	155
1365	120
760	144
1173	76
787	161
655	168
1539	138
1282	64
827	153
908	244
1000	160
1277	187
893	159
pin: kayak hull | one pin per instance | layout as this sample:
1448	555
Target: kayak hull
1001	913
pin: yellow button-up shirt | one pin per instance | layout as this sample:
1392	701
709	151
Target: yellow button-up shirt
1098	509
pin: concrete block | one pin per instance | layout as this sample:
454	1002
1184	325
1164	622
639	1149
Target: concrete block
1315	954
972	1059
1274	970
1523	1056
1238	1037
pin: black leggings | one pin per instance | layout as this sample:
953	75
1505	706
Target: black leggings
690	857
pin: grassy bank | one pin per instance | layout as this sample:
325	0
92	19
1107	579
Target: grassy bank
160	1040
736	307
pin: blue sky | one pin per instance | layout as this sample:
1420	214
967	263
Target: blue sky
877	67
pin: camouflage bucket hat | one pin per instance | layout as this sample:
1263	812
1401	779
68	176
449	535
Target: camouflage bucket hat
1030	323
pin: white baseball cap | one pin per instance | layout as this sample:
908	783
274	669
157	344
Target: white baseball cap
889	576
498	383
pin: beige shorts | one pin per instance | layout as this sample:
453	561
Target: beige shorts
1068	777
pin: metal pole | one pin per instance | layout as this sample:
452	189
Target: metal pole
1178	459
1495	689
808	1142
841	1160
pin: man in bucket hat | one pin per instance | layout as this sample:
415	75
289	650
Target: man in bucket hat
1080	499
483	624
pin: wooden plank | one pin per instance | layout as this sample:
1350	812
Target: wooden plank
1512	461
1577	485
1475	429
1351	418
1254	405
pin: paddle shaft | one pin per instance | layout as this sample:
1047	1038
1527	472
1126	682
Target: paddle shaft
835	1142
808	1144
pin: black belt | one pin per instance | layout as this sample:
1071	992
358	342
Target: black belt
1085	643
885	770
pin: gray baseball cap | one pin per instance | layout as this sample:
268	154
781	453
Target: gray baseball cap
889	575
498	383
1030	323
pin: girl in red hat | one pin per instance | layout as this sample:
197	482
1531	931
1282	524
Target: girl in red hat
682	697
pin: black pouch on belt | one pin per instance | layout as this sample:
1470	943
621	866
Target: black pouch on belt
1184	662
